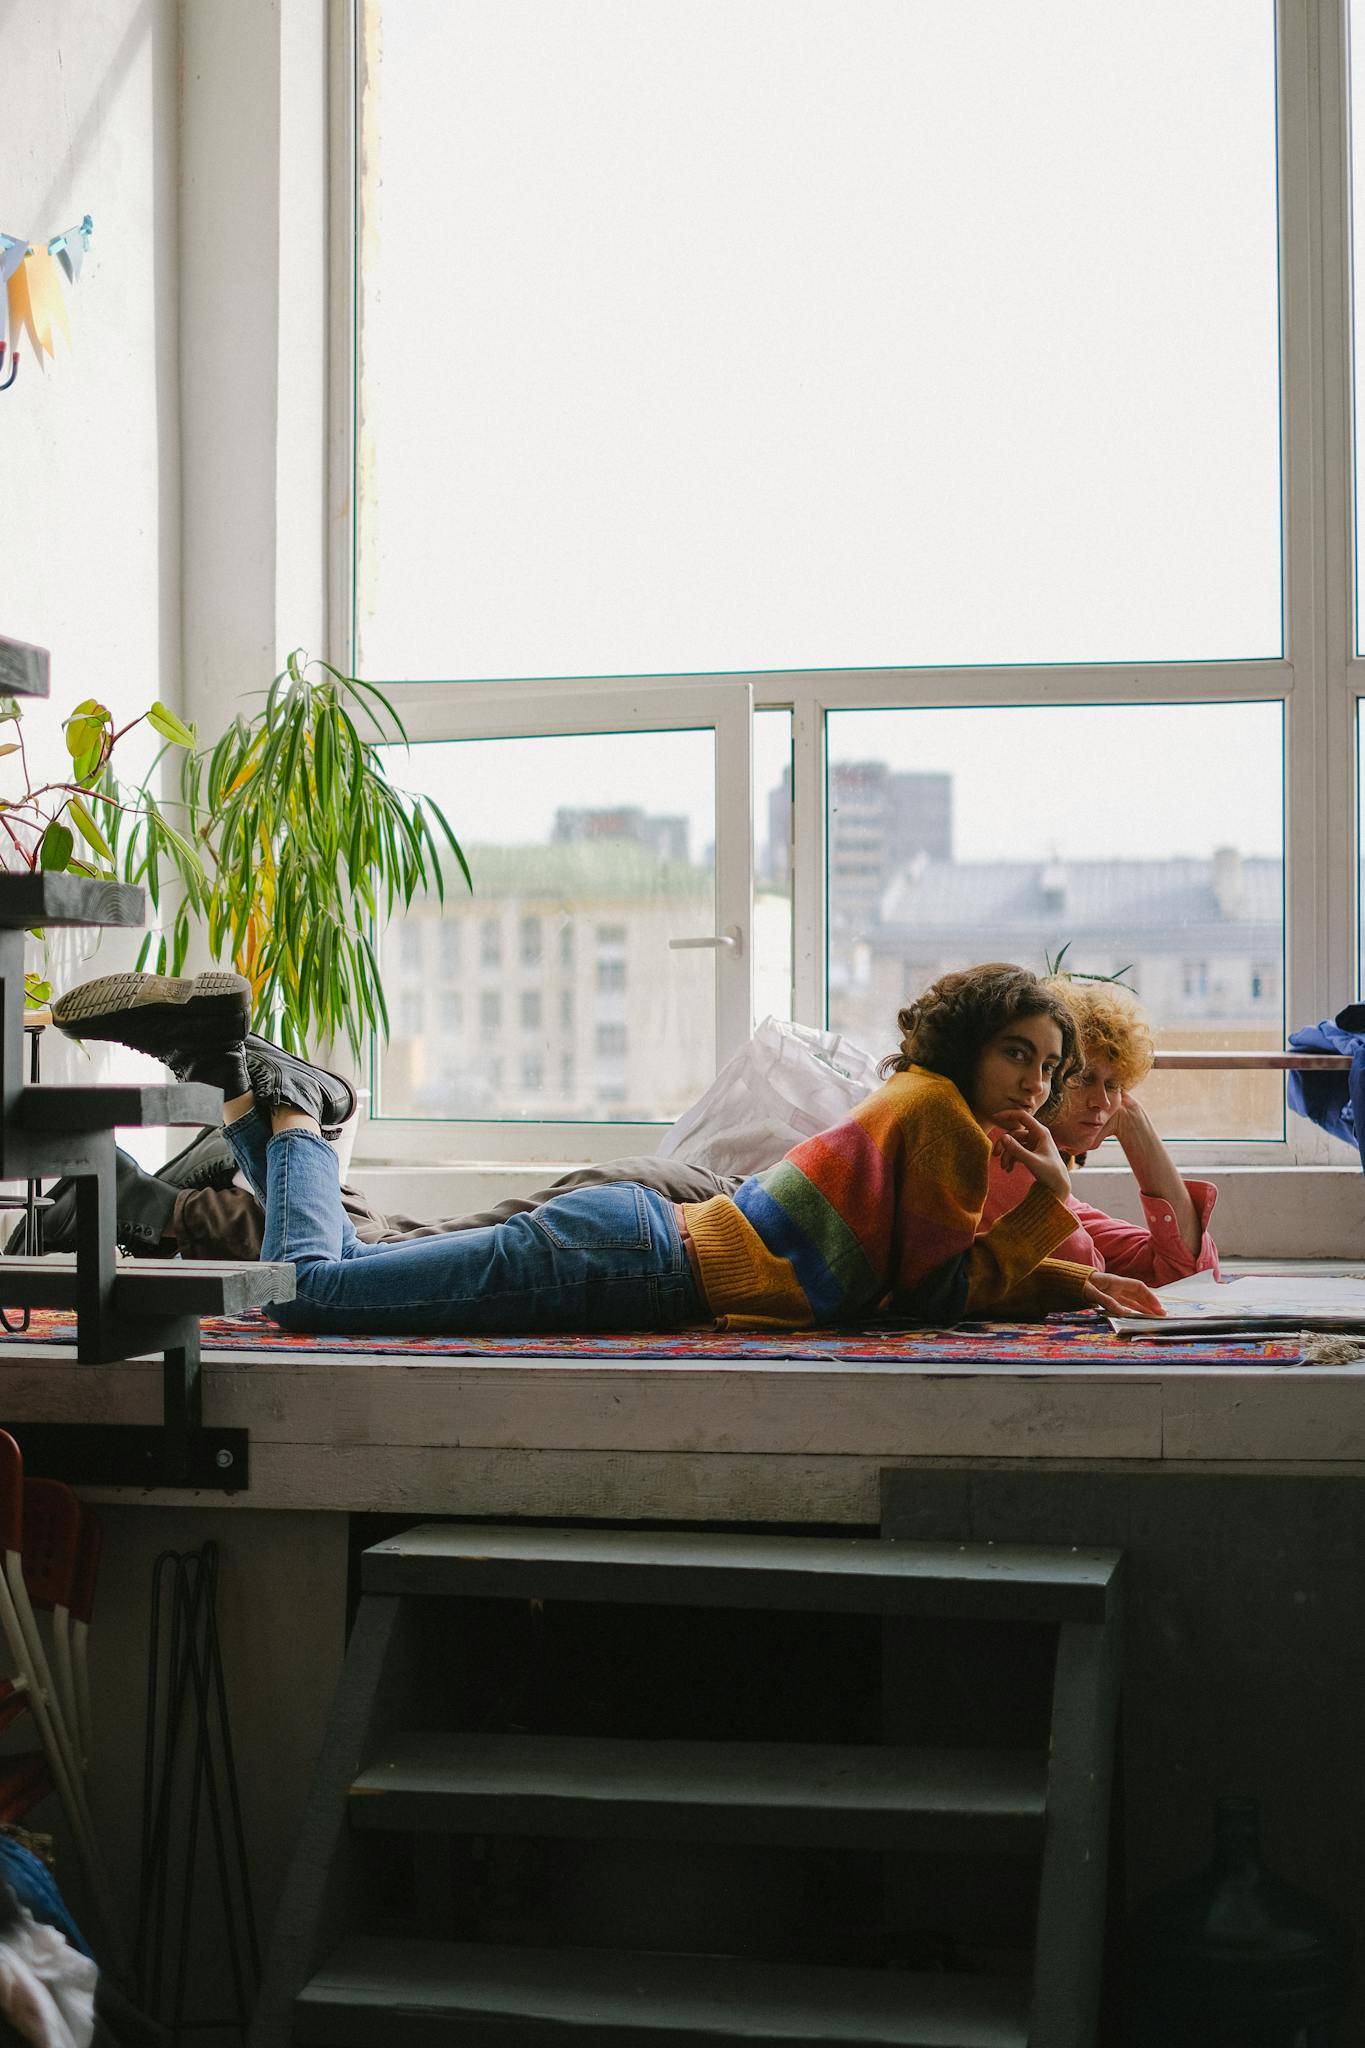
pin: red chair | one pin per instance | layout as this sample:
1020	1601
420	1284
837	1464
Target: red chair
51	1551
25	1782
48	1515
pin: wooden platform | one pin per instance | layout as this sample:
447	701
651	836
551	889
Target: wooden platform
680	1440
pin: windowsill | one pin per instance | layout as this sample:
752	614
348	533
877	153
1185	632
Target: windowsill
1263	1212
1289	1212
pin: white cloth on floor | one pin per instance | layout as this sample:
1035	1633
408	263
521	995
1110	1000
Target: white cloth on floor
47	1988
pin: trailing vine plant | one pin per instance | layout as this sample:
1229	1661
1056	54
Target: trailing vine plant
72	824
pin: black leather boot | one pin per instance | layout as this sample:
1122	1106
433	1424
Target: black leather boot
195	1024
280	1080
198	1026
143	1207
206	1162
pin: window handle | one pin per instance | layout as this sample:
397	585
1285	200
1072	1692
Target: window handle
731	938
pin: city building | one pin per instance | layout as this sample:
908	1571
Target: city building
666	837
551	992
1200	941
879	817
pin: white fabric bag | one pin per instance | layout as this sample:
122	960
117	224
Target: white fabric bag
787	1083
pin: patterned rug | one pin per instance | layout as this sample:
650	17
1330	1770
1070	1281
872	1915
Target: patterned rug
1064	1340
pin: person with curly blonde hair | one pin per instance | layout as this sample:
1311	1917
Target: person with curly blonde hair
1098	1102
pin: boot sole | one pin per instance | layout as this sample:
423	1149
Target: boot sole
96	1007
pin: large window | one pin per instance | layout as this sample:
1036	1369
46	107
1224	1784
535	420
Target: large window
967	389
857	334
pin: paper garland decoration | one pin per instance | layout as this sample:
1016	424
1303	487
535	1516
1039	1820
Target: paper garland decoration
33	301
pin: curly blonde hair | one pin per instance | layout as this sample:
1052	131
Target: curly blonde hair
1111	1025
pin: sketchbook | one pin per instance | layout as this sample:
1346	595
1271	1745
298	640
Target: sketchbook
1252	1304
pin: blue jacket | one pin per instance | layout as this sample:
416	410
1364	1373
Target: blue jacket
30	1883
1336	1101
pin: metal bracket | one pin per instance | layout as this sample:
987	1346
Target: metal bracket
134	1454
176	1452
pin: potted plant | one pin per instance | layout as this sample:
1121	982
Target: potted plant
292	845
306	846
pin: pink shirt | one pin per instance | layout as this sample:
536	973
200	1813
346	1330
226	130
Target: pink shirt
1156	1254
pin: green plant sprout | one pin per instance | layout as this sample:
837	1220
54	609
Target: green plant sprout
1056	971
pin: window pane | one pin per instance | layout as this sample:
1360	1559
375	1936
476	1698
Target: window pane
1360	847
772	864
571	1004
893	340
1357	97
1007	834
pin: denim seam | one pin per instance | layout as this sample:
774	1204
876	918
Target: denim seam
284	1190
655	1282
606	1244
638	1243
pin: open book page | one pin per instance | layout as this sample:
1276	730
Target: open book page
1253	1303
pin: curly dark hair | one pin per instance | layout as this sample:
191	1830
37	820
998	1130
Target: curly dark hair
949	1027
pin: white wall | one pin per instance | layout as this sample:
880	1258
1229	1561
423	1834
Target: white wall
162	120
89	448
90	445
162	486
254	326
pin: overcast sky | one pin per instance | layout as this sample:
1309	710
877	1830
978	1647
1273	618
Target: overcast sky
847	334
708	335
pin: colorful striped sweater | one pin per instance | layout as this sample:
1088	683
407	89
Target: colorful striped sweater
880	1214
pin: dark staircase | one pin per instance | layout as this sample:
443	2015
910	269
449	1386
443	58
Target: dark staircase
124	1309
393	1774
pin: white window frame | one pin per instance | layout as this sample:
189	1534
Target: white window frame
451	711
1320	679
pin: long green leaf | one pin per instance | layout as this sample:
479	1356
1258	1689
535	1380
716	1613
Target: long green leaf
451	840
89	830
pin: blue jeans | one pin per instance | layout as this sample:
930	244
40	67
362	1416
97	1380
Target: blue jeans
600	1258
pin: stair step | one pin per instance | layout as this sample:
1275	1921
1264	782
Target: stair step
46	899
980	1581
976	1801
150	1287
150	1104
409	1993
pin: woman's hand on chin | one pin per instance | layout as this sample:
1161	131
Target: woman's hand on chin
1130	1123
1019	1136
1119	1296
